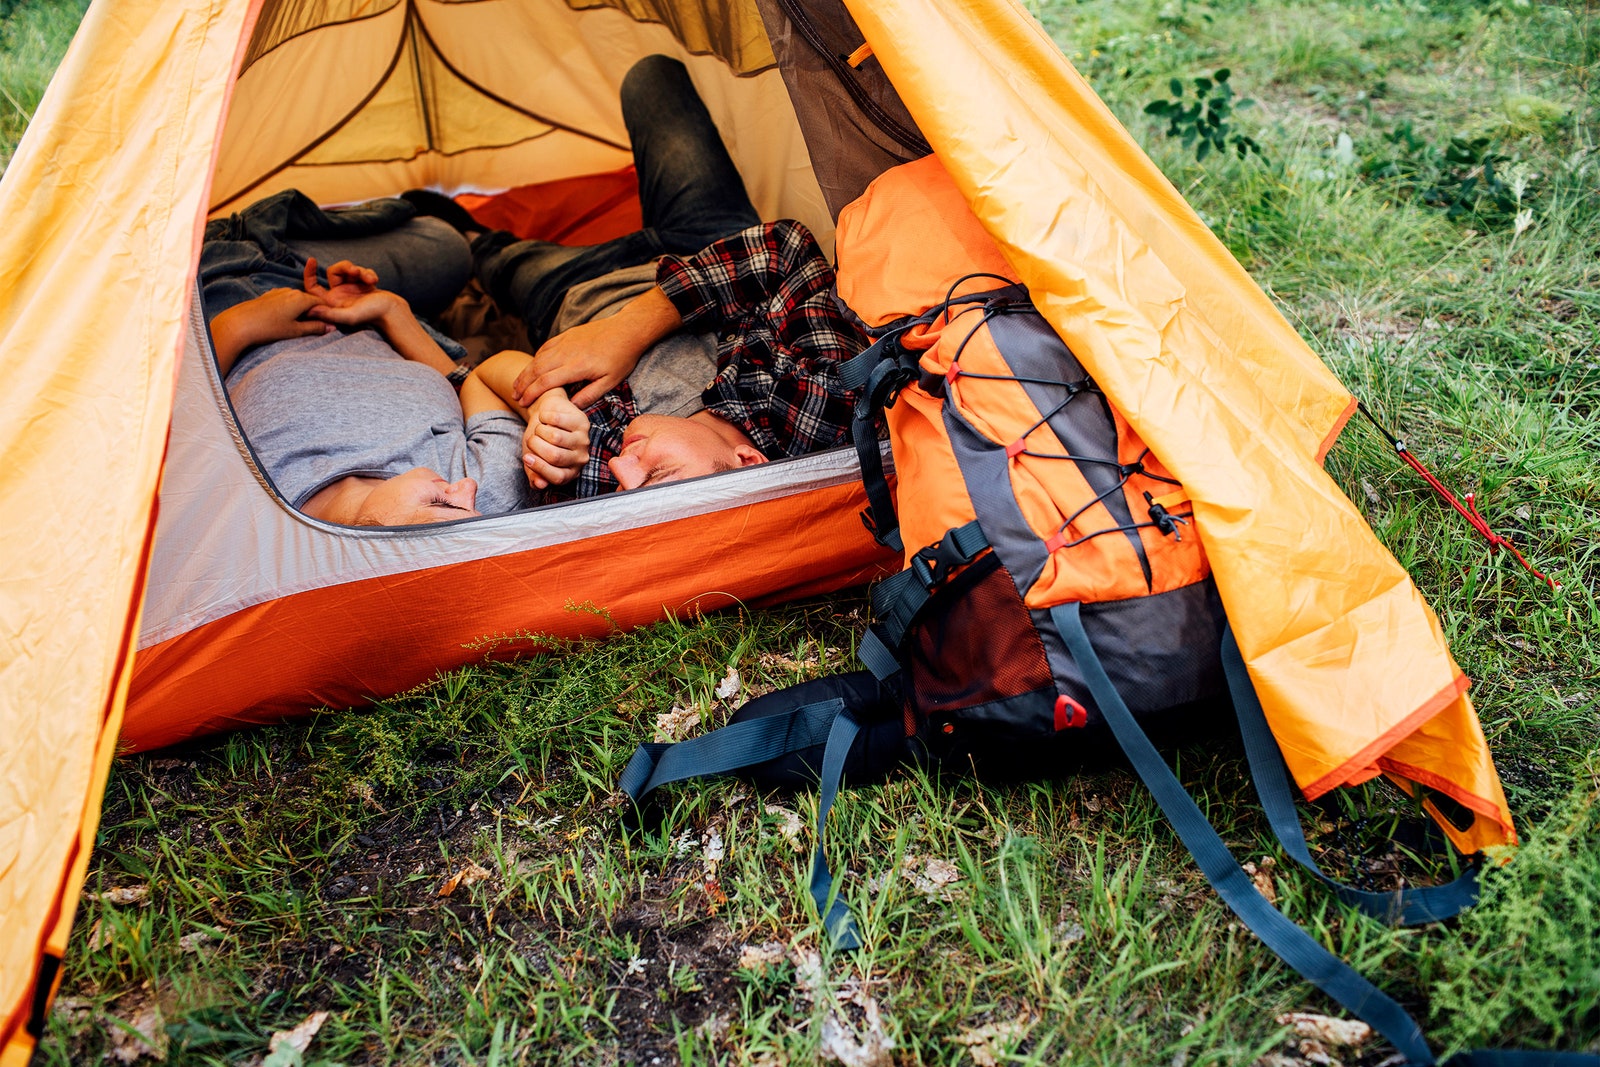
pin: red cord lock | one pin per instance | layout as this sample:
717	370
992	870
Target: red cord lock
1057	540
952	374
1016	448
1079	714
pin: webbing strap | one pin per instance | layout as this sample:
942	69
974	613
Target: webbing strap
1292	944
897	600
745	744
836	917
1406	907
731	748
881	383
854	372
876	656
1517	1057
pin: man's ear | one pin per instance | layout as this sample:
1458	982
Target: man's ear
747	455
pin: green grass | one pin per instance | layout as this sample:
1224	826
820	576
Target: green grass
33	38
297	869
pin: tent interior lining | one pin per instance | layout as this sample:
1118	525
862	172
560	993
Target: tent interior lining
172	609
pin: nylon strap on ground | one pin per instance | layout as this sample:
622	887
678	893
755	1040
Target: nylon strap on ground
732	748
740	745
835	913
1292	944
1406	907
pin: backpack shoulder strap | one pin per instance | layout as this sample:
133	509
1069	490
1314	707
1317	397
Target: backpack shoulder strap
1291	943
1403	907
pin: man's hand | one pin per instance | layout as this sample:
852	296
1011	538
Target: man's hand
598	353
555	445
602	352
276	315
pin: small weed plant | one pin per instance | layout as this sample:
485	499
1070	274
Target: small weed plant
1205	121
1466	177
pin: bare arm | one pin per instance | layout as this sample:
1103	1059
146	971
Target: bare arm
392	317
275	315
492	385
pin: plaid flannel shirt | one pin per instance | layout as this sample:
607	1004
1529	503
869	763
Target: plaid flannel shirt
767	292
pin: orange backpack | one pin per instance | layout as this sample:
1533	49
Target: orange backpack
989	414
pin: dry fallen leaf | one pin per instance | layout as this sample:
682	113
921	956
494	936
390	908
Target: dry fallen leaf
636	966
130	894
300	1037
789	825
807	970
987	1043
145	1034
194	942
839	1041
99	936
777	661
1328	1030
728	688
471	874
1262	878
930	876
677	724
1069	933
760	957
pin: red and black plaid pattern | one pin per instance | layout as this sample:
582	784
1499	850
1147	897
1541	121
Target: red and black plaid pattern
767	292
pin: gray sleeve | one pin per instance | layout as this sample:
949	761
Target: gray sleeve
494	461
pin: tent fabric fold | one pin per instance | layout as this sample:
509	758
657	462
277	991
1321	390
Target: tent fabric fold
167	550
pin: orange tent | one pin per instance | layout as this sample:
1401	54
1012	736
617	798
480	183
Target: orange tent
158	587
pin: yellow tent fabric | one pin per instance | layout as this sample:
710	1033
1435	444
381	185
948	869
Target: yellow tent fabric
136	143
103	204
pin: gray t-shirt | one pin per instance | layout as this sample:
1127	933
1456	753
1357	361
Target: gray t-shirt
672	373
317	409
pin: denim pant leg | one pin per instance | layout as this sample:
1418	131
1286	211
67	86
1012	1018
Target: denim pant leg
689	189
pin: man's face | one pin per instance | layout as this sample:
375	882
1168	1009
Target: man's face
418	496
663	448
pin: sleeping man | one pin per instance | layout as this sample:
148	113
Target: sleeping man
349	404
705	341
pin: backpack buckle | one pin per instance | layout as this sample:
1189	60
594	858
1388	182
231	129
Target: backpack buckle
955	549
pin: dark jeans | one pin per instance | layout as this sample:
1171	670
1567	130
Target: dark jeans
689	188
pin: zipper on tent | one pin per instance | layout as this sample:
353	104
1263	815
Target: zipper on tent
911	140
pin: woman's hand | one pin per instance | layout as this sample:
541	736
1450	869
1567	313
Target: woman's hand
379	308
555	446
352	296
346	282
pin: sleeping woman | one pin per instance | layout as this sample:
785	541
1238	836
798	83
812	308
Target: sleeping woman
353	408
